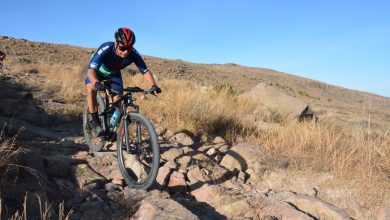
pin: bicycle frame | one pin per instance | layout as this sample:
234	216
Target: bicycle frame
124	102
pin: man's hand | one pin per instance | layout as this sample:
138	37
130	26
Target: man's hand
99	86
154	90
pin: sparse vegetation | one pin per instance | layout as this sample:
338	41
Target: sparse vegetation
306	94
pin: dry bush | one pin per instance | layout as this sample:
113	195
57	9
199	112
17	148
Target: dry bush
44	211
325	147
67	82
8	150
186	106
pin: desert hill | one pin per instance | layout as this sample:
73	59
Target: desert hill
337	104
224	155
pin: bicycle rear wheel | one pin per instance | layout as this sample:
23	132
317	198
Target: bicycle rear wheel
95	144
139	157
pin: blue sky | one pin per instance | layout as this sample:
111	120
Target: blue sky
341	42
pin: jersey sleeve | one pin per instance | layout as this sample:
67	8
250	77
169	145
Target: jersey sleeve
97	57
139	62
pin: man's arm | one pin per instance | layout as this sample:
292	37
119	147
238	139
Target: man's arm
92	76
149	78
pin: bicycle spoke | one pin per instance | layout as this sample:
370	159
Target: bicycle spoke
139	164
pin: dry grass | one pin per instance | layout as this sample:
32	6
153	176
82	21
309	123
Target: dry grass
44	211
359	155
8	150
65	82
186	106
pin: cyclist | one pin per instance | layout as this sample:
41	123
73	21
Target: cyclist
2	57
106	63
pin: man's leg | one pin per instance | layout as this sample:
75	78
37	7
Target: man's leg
93	109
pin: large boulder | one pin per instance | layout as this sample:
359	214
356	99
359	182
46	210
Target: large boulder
272	98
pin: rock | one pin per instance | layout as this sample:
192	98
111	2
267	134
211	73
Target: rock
219	140
207	193
312	205
231	163
205	148
182	138
161	131
163	177
184	161
115	174
84	175
171	164
172	154
241	176
177	183
222	148
201	157
235	209
138	168
243	156
211	152
169	134
159	208
117	181
270	97
195	175
81	155
133	196
187	149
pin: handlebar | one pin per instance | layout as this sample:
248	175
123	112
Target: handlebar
136	90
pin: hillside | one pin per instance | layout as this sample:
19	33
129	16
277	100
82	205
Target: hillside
225	154
337	104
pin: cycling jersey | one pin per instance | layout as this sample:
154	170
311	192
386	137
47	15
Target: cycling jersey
108	65
107	62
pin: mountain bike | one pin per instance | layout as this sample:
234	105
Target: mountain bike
138	150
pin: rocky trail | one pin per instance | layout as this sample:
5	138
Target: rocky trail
199	178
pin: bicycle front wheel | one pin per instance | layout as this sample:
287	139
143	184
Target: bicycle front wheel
138	151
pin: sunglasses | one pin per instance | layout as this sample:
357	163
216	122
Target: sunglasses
123	48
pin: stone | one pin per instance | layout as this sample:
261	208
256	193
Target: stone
211	152
201	157
177	183
160	208
312	205
219	140
222	148
182	138
207	193
184	161
187	149
195	175
171	164
138	168
172	154
241	176
231	163
205	148
133	196
84	175
115	174
117	181
163	177
81	155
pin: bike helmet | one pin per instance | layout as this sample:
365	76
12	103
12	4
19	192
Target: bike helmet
125	37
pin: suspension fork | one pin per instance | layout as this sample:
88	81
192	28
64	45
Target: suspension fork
125	118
